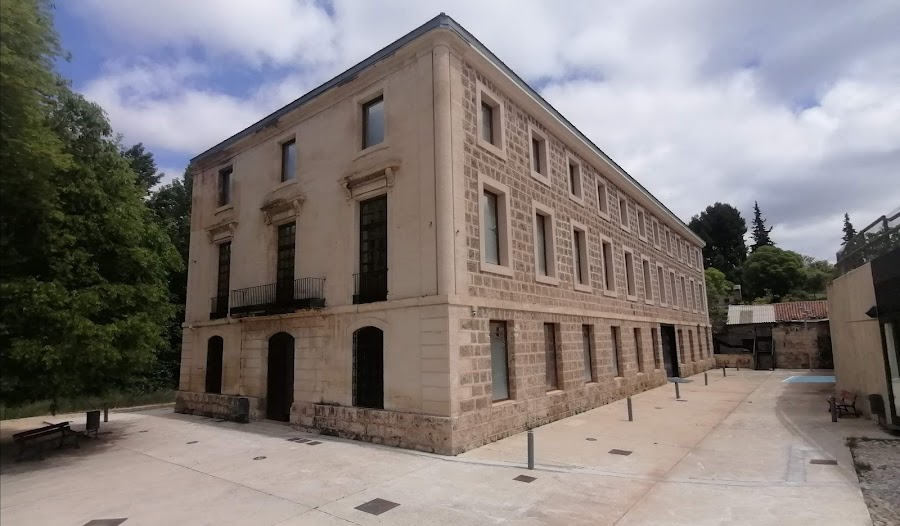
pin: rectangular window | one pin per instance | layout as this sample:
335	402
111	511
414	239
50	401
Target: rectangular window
699	343
642	224
661	281
639	350
373	122
286	245
656	233
580	257
487	122
617	366
371	284
491	231
225	185
623	212
666	241
587	345
648	283
629	275
603	200
609	273
537	160
540	234
674	284
684	303
691	344
575	180
288	160
550	355
499	361
223	281
654	340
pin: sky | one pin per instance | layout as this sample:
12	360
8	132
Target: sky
794	104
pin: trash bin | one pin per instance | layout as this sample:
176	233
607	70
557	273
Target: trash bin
93	422
876	406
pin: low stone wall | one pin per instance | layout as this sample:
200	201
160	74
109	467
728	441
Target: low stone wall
407	430
227	407
744	361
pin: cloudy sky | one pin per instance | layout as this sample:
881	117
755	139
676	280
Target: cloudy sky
794	104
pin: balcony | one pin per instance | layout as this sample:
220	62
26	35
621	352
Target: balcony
369	287
218	307
279	298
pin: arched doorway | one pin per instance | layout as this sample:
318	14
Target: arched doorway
280	377
214	348
368	368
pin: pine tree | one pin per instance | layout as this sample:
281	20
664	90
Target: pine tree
760	232
849	231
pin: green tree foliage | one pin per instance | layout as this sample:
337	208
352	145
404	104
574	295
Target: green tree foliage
722	228
771	271
143	165
760	233
718	289
849	231
84	295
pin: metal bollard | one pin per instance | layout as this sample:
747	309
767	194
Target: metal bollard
832	408
705	379
630	413
723	371
530	450
738	366
677	392
106	414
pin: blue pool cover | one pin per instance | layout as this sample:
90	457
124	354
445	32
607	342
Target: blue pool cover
809	380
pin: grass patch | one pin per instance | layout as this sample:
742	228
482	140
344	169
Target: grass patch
77	404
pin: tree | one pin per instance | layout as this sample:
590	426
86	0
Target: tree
718	290
760	232
143	165
722	228
772	271
849	231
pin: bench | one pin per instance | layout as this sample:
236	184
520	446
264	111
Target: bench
37	438
844	404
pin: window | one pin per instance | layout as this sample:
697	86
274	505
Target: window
609	273
373	122
371	282
661	281
691	298
288	160
368	368
654	340
225	185
550	355
540	234
630	291
603	200
623	213
499	361
575	186
642	224
673	246
285	261
666	242
495	232
684	303
699	343
544	245
214	349
648	280
655	233
702	286
487	123
223	281
587	345
639	349
673	282
691	343
684	254
681	357
490	121
700	263
538	153
580	266
617	366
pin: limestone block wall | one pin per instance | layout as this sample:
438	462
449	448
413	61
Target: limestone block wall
802	345
227	407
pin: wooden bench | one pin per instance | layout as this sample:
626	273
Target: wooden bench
844	404
37	438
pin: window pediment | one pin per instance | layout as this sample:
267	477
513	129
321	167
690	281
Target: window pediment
221	231
370	179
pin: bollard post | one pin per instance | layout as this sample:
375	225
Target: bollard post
530	450
677	392
106	414
723	371
831	408
705	379
630	413
738	366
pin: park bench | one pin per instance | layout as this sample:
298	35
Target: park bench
37	438
844	404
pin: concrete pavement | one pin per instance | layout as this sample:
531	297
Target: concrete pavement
735	452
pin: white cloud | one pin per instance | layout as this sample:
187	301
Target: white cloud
701	100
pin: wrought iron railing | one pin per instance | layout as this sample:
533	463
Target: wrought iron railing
218	307
303	293
369	287
876	239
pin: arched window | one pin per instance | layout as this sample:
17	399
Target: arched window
214	348
368	368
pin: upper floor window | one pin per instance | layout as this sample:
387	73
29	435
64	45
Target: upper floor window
373	122
491	230
539	169
581	268
575	186
487	122
288	160
609	274
495	232
655	233
642	224
603	200
623	212
225	185
661	281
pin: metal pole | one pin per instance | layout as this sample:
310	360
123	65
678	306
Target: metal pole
705	379
723	371
630	413
677	392
530	450
106	414
832	408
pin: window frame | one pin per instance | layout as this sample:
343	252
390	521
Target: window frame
603	199
647	277
639	348
583	262
289	141
228	188
683	283
589	353
504	268
485	95
552	277
630	295
608	267
506	364
642	224
624	216
692	285
661	282
673	281
576	187
654	226
554	346
615	335
543	152
364	106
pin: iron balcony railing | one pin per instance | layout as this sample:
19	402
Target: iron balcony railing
876	239
218	307
303	293
369	287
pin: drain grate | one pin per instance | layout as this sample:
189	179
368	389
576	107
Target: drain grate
297	440
192	442
259	458
525	478
591	439
377	506
105	522
313	443
622	452
826	462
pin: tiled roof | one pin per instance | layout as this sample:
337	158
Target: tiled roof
801	311
746	314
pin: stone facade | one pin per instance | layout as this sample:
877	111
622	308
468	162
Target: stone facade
442	296
801	345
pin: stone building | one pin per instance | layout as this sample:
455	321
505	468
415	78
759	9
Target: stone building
423	252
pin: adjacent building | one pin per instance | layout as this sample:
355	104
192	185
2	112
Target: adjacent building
423	252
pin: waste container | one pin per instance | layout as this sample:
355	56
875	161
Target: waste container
93	422
876	406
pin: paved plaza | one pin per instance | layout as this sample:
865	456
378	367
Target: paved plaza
736	451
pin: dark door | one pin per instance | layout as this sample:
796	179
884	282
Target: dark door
280	377
372	279
368	370
284	270
670	351
214	348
